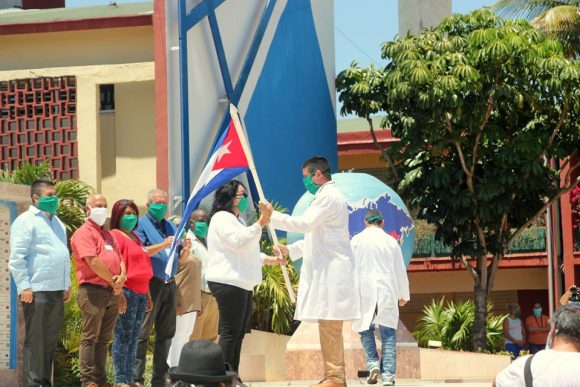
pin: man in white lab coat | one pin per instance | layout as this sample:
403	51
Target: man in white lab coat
383	288
328	289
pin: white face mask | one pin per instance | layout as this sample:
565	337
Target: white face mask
99	215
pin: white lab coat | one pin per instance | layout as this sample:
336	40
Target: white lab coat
328	288
382	276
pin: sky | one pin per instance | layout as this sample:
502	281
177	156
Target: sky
360	26
360	30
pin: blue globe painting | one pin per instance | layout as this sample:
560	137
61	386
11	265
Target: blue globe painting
363	192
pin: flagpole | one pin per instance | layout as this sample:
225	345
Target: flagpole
252	167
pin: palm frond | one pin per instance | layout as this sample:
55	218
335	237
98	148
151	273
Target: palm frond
527	9
452	323
559	20
72	198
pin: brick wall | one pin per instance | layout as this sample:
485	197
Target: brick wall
38	122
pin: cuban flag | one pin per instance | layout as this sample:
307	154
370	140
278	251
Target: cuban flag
227	161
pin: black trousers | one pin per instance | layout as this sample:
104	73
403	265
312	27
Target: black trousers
42	320
164	297
235	307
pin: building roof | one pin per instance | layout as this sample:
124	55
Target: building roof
16	21
354	136
346	125
18	16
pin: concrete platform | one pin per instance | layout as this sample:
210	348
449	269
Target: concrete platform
362	382
304	360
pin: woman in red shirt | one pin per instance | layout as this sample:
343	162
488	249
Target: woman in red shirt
538	326
136	290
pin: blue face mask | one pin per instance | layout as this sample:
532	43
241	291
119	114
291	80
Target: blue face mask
537	312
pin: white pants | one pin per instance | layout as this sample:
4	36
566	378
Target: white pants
183	328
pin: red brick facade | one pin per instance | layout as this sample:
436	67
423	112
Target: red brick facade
38	122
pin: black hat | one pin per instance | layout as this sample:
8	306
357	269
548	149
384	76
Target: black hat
201	361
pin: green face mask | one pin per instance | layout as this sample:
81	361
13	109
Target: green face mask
128	222
48	204
243	205
310	185
518	314
200	229
157	211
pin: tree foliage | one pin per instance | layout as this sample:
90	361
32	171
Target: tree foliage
72	193
559	19
273	310
479	104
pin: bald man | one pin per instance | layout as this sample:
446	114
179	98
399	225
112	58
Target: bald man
100	274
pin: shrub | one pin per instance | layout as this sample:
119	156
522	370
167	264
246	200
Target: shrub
452	322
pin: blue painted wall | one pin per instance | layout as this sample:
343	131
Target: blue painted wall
290	116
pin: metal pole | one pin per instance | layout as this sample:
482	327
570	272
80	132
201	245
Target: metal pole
183	101
550	251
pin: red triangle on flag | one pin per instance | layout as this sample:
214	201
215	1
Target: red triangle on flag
231	154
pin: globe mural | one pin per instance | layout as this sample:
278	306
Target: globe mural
363	192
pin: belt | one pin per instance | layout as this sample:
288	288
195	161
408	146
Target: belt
96	286
170	280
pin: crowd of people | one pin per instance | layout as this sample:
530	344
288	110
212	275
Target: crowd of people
129	286
123	289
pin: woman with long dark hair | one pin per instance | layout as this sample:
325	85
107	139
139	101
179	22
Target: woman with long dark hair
234	264
136	290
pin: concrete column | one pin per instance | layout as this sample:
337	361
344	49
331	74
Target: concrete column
415	15
89	136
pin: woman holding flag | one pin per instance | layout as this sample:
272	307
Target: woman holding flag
234	264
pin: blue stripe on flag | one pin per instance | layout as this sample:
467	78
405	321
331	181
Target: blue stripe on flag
217	181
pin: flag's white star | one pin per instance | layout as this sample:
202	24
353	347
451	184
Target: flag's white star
224	150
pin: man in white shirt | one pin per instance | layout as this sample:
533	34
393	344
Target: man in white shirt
551	367
328	290
40	265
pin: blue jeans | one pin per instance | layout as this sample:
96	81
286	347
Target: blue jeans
514	349
388	365
126	335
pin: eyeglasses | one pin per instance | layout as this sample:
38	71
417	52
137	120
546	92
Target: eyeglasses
124	202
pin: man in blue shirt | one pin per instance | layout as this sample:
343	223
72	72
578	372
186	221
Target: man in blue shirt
156	233
40	266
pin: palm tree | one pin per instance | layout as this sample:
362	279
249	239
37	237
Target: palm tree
72	194
557	18
451	323
273	310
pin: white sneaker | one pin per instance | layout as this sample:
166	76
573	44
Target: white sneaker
389	381
374	375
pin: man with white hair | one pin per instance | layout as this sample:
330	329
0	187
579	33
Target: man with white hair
157	233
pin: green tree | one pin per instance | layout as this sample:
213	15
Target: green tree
479	103
362	93
559	19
